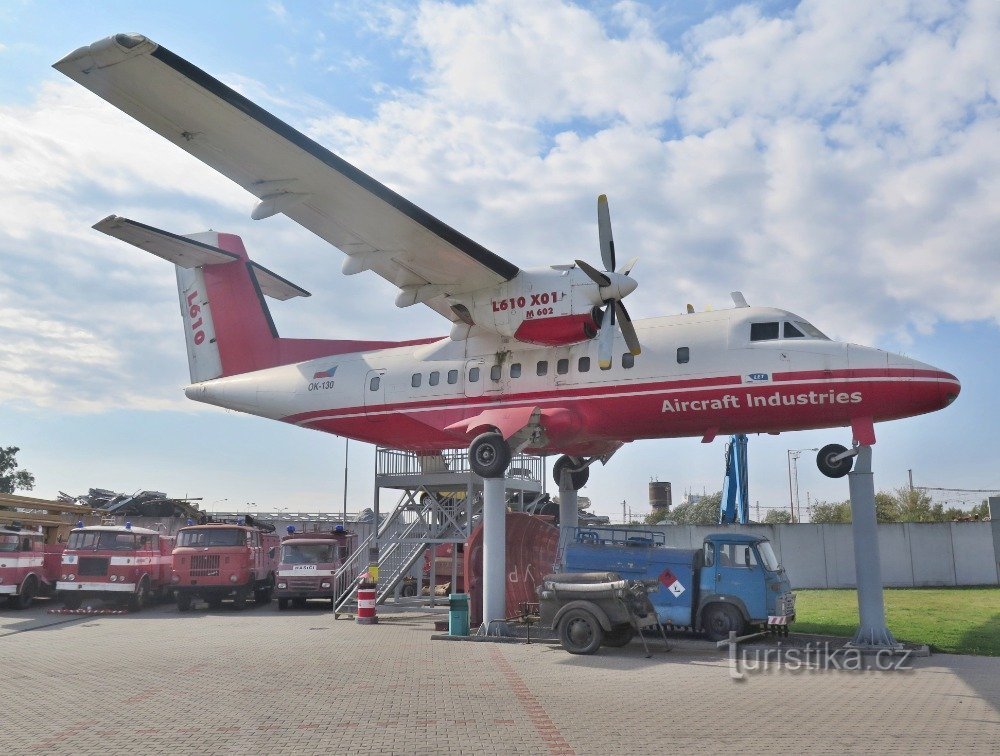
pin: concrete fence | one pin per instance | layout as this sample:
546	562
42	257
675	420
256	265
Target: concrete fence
913	554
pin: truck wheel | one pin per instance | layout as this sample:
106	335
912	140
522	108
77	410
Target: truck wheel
299	603
183	602
263	595
719	620
282	604
240	598
831	469
489	455
580	632
140	598
619	636
72	600
27	594
578	478
215	604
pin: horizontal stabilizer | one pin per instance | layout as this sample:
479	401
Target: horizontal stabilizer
275	286
182	252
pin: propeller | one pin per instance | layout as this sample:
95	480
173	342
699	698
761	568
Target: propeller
614	285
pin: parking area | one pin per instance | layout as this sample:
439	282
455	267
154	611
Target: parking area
263	681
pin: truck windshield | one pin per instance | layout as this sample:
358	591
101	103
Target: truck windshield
211	537
767	556
101	539
8	543
306	553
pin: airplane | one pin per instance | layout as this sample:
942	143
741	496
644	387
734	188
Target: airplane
544	361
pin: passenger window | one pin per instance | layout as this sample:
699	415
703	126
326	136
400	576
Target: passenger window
415	380
763	331
434	378
628	360
542	368
374	383
452	376
683	355
583	365
515	370
791	332
495	373
473	374
562	366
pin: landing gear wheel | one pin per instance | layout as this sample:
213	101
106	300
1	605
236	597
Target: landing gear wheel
282	604
578	478
184	602
489	455
27	594
831	469
721	619
140	598
72	600
619	636
580	632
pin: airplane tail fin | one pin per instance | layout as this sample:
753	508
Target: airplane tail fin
227	325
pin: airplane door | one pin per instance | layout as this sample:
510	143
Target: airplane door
374	390
475	376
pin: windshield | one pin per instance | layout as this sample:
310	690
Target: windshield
811	330
767	556
306	553
211	537
101	539
8	543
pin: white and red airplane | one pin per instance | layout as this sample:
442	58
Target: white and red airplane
546	361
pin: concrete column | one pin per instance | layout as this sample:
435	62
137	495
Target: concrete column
569	511
872	632
994	509
494	550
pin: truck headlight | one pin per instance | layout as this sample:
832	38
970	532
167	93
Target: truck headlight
175	578
72	577
324	585
232	578
282	585
114	578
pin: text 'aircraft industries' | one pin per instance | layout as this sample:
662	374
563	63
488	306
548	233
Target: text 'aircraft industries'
545	361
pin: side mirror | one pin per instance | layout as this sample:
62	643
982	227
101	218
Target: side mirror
746	556
270	553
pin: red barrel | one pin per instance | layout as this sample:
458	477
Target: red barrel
366	605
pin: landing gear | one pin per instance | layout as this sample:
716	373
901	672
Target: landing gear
489	455
830	466
578	475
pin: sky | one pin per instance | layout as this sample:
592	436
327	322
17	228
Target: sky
839	160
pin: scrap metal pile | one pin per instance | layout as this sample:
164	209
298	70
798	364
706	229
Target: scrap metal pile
138	504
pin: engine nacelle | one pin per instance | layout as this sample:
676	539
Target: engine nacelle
547	307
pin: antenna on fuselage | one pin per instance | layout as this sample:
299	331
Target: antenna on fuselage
738	299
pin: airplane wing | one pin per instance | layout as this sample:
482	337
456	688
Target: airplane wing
290	173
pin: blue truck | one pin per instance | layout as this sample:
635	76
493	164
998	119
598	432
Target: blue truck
731	583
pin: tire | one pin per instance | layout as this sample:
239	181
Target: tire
489	455
580	632
578	478
72	600
619	636
831	469
240	598
215	604
263	595
140	599
282	604
299	603
183	601
409	590
29	588
718	620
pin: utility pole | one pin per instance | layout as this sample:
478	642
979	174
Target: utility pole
624	521
347	443
910	471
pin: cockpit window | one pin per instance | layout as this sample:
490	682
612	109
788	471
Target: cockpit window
791	332
810	330
763	331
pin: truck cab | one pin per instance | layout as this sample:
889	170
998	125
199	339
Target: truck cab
116	563
309	563
29	567
221	561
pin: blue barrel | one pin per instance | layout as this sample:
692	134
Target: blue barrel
458	614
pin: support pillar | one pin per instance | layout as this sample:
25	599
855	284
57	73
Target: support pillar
569	511
494	550
873	632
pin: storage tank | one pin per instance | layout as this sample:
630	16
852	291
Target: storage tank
659	496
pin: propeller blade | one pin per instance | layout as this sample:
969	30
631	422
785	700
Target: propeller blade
628	330
604	233
595	275
606	338
627	268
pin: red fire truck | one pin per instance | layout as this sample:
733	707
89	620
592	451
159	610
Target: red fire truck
115	563
309	564
29	567
224	560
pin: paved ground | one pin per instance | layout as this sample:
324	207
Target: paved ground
301	682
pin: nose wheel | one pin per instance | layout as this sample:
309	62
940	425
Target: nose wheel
489	455
835	461
579	471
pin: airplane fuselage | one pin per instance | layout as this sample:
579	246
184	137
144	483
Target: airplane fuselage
699	374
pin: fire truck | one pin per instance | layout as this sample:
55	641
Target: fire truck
217	561
29	567
309	564
114	563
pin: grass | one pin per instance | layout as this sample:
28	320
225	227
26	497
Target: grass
949	620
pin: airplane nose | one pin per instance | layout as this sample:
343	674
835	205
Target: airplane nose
936	385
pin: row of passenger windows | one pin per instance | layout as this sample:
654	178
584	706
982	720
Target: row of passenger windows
583	365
